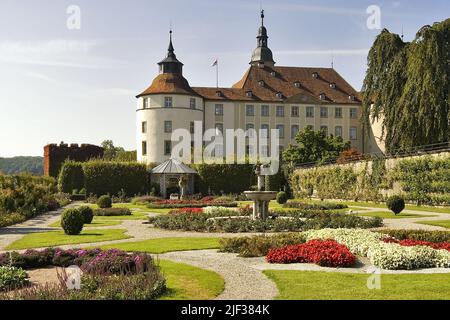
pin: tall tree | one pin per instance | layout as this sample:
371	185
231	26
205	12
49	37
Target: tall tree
315	147
407	87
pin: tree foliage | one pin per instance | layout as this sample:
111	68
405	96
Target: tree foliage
317	147
407	87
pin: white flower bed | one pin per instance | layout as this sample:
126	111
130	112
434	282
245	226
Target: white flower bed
216	210
390	256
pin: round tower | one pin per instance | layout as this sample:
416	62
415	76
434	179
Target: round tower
168	104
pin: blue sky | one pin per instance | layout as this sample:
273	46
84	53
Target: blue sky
78	86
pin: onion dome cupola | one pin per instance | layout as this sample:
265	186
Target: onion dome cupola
262	54
171	64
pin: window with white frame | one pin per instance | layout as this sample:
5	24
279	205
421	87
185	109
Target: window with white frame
146	103
338	113
248	128
353	133
264	130
310	112
294	130
168	126
250	110
280	129
218	110
192	103
338	131
294	111
168	102
280	111
144	148
353	113
324	112
264	111
167	148
144	127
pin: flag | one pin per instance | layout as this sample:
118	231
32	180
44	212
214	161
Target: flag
216	63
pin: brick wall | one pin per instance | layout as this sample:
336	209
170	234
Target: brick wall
55	155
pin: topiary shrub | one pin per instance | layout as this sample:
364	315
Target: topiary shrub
72	221
104	202
282	197
88	214
396	204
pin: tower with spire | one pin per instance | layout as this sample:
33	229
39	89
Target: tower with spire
262	55
171	64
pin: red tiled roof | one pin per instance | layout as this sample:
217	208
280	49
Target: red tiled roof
169	83
283	82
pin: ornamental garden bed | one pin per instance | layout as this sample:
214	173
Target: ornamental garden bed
382	250
220	219
106	275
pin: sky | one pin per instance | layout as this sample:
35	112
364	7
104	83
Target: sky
78	85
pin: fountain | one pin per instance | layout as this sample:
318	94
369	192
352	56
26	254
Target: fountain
261	198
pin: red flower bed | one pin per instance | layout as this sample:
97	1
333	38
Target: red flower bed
325	253
413	243
187	210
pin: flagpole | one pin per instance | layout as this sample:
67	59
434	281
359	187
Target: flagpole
217	74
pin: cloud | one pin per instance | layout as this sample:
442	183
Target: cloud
54	53
119	92
40	76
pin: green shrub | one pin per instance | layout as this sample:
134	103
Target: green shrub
88	214
12	278
421	235
282	197
72	221
112	212
396	204
104	202
71	177
259	246
315	205
224	178
102	177
145	199
8	219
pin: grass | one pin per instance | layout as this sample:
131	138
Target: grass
186	282
164	245
408	207
438	223
137	209
390	215
58	238
96	223
309	285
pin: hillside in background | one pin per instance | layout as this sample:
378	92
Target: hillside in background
22	164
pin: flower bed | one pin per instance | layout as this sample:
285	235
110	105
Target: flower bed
325	253
323	206
205	202
12	278
391	256
414	243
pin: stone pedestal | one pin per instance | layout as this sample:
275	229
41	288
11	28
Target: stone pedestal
261	201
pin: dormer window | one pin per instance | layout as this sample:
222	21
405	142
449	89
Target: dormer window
352	97
261	83
297	84
333	85
249	94
315	75
273	73
279	95
219	93
322	96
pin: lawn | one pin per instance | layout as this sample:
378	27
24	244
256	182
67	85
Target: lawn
95	223
304	285
438	223
163	245
390	215
408	207
58	238
137	210
186	282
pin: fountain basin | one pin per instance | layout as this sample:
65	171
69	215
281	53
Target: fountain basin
261	195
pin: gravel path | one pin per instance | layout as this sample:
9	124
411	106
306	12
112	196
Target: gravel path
242	281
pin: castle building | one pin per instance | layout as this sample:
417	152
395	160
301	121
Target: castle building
267	97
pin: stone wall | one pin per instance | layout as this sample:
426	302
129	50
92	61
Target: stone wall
55	155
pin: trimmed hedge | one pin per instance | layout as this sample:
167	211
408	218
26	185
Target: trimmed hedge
88	214
420	235
112	177
71	177
104	202
72	221
112	212
224	178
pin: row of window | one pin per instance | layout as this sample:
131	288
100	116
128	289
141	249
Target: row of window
168	103
295	111
353	133
167	148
